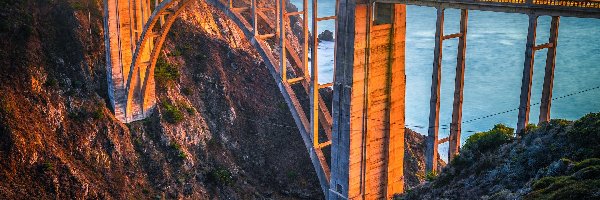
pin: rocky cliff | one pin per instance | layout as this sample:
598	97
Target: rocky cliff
221	130
558	160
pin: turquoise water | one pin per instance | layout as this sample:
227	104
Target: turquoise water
494	67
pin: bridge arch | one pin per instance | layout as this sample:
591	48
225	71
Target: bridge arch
135	32
167	6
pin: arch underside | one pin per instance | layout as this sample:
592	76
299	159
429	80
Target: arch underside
135	31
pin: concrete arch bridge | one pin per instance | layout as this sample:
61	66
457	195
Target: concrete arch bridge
365	128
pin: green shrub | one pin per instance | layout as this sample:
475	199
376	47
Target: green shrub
47	166
76	5
51	82
586	132
164	72
189	109
292	174
182	155
175	53
586	163
212	142
431	176
559	122
547	181
530	128
484	141
583	183
98	114
282	106
221	176
171	113
77	115
186	91
177	148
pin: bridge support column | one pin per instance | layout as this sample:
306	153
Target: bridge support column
123	28
531	48
524	105
369	99
434	107
431	153
546	101
459	83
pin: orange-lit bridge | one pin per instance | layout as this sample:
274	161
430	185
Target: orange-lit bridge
365	128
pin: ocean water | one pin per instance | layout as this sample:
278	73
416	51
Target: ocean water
494	67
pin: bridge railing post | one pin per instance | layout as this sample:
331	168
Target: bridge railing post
277	17
282	55
254	18
314	75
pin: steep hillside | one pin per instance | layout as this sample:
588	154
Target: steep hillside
558	160
221	130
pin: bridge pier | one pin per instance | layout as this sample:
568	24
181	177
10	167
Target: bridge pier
434	109
459	83
546	101
369	100
530	49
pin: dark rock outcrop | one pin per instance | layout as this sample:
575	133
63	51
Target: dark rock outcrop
326	35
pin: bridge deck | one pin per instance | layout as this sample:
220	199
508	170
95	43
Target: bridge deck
567	8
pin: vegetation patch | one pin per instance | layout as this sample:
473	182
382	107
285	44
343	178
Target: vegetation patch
189	109
177	148
77	5
186	91
221	176
47	166
98	114
530	128
7	107
582	183
585	134
431	176
171	113
77	115
165	73
175	53
488	140
51	82
292	175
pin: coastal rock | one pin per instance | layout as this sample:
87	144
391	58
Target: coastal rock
326	35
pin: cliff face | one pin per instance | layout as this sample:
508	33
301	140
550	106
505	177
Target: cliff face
212	136
221	130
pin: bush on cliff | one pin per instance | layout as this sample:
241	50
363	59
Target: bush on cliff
172	114
488	140
165	73
583	182
585	134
